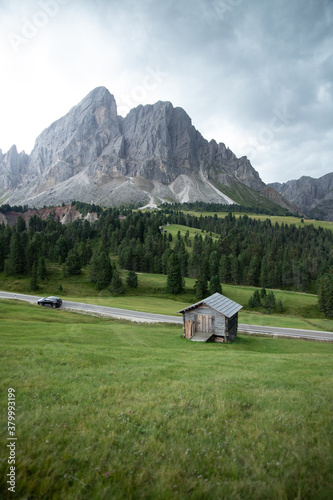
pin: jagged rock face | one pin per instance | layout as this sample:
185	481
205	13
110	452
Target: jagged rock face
13	166
277	198
314	197
94	155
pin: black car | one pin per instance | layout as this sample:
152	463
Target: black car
50	301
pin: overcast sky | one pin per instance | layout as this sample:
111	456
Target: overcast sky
254	74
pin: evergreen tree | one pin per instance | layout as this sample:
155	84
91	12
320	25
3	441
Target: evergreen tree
201	287
72	264
182	255
215	285
132	279
251	302
270	300
225	269
33	278
234	269
126	257
84	252
165	260
116	286
214	263
3	251
20	225
174	278
16	263
100	269
256	298
41	269
252	277
325	295
61	250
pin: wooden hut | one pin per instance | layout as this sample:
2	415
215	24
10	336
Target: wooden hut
212	319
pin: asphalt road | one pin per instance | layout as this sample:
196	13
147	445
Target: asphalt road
101	310
144	317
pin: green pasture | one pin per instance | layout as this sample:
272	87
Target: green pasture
280	219
111	409
174	229
300	309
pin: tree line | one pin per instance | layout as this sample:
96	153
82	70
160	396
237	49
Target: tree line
236	250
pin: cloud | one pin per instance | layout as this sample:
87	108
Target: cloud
254	75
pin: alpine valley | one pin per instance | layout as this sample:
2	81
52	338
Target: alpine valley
152	155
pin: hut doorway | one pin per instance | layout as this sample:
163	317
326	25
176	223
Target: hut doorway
204	323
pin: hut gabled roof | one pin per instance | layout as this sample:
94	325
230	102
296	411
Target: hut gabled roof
219	303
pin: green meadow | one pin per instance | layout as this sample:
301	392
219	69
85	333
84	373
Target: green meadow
300	310
109	409
280	219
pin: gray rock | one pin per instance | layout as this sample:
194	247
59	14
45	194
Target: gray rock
13	167
314	197
154	153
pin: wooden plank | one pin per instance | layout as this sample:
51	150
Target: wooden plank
189	328
201	336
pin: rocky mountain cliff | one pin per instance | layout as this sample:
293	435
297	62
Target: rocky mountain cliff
313	196
154	154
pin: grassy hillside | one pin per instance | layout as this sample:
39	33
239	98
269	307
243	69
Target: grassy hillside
300	309
274	218
109	409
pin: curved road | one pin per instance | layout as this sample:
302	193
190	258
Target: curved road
144	317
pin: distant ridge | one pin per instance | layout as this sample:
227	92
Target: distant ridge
314	197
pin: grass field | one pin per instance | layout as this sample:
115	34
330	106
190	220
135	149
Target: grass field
274	218
300	310
109	409
173	229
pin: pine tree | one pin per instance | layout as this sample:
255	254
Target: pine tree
3	251
270	300
174	279
256	298
182	255
20	225
116	286
325	295
201	287
214	262
16	263
225	269
84	252
41	269
72	264
33	278
61	250
100	269
215	285
132	279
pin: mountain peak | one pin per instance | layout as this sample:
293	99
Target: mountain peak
93	155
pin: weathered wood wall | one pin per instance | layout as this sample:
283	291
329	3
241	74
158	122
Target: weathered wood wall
232	327
205	319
